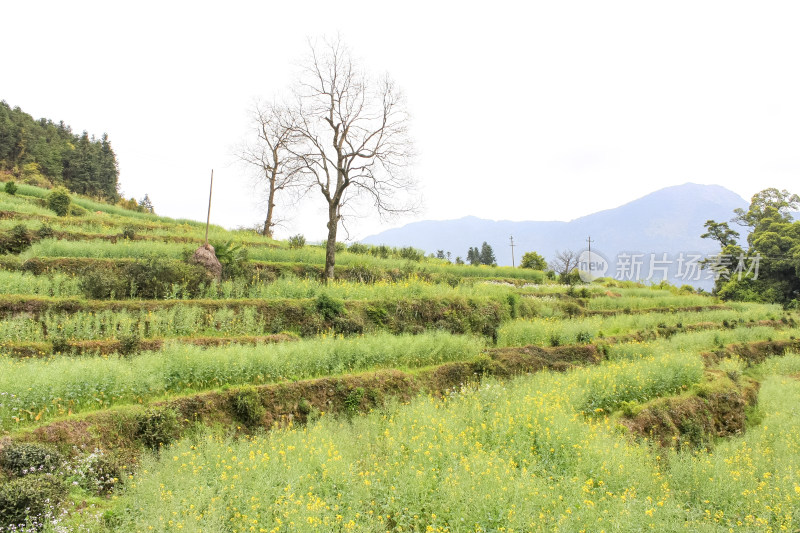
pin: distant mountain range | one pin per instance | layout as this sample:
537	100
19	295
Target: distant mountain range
668	221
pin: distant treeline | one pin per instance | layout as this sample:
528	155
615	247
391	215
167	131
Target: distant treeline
41	152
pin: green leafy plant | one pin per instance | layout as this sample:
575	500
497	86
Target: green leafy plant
247	406
59	201
21	458
30	497
329	308
358	248
45	232
232	256
157	426
11	188
129	343
61	344
353	400
297	241
17	241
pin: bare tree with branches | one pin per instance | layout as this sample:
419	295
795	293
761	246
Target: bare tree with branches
565	262
352	137
271	154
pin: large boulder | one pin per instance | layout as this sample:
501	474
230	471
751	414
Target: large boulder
206	257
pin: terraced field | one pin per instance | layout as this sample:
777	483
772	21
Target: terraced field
408	395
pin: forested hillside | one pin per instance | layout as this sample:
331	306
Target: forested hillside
42	152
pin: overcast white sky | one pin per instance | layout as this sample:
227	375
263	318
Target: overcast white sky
521	110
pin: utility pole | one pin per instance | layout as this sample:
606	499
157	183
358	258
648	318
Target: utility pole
512	252
589	240
208	219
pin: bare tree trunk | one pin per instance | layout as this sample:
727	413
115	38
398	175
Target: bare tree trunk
270	208
330	247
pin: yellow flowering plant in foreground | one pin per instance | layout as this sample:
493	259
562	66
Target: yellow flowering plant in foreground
513	457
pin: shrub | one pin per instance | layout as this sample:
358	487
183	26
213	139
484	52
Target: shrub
328	307
11	188
61	345
247	406
533	260
129	344
347	325
381	251
297	241
412	254
45	232
59	201
104	474
29	497
157	426
21	458
353	400
630	409
17	241
304	406
129	232
77	211
358	248
571	278
361	273
451	280
130	204
96	472
378	315
99	283
151	279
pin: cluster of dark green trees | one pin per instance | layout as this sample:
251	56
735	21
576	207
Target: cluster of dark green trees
484	256
773	237
44	153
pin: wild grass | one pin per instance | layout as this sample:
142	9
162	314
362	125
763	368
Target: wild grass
94	226
34	389
53	285
93	206
655	299
788	365
175	321
553	331
132	249
18	204
411	287
699	341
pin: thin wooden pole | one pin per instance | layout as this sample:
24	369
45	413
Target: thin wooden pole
208	219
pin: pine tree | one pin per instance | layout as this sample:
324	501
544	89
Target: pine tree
474	256
146	204
107	171
487	254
